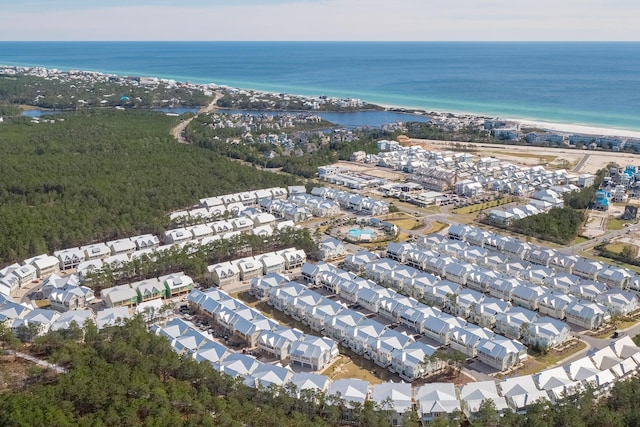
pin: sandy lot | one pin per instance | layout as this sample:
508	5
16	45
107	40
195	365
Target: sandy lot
372	170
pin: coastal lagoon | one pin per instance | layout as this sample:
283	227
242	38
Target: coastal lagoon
590	83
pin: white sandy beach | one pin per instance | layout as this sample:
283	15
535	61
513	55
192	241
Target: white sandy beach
579	129
568	128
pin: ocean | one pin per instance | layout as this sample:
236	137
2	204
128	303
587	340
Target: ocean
594	84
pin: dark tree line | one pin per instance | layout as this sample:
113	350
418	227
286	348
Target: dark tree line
558	225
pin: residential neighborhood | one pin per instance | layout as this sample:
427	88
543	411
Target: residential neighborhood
494	299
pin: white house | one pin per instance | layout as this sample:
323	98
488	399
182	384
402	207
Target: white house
224	273
411	362
330	248
521	392
473	394
501	353
313	352
397	398
588	315
437	400
547	332
44	265
70	258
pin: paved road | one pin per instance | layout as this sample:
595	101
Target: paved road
582	161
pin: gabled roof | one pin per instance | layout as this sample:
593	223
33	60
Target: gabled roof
12	310
437	398
68	317
237	364
211	351
473	394
112	316
552	378
581	369
173	329
605	358
349	389
309	381
398	394
624	347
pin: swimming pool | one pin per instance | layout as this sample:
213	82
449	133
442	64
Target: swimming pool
362	234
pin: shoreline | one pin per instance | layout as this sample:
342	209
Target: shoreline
559	127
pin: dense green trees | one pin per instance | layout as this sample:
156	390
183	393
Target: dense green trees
200	133
78	92
125	376
558	225
103	174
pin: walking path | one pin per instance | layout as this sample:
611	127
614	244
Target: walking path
58	369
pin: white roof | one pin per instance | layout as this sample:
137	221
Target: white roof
112	316
473	394
309	381
399	395
350	389
68	317
437	398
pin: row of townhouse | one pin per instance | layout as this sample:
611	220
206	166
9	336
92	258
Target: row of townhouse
589	303
351	201
71	258
388	348
27	323
446	329
488	265
233	209
612	276
190	342
169	286
249	268
246	198
259	224
488	311
349	179
440	171
257	331
92	257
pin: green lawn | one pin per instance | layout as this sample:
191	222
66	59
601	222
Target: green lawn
540	363
616	224
579	240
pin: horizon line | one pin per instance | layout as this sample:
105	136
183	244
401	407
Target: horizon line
319	41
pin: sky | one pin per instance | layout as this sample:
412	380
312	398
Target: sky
356	20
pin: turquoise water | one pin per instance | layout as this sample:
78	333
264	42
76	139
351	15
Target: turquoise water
359	232
583	83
